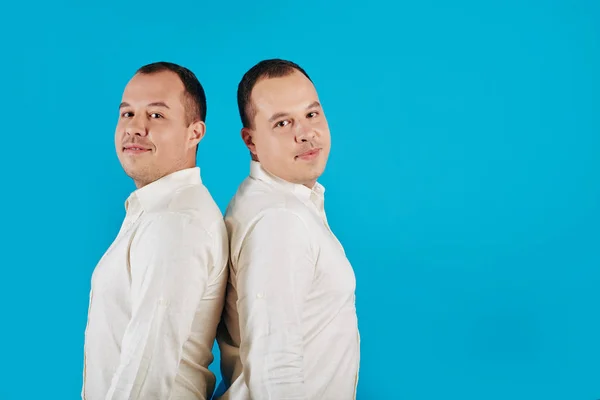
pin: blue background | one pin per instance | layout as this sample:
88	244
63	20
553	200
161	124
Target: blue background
463	179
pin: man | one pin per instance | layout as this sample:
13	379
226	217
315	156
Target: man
289	328
157	293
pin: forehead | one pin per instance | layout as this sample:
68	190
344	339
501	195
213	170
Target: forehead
283	93
159	86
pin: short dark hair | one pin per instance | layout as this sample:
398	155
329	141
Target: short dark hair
194	96
272	68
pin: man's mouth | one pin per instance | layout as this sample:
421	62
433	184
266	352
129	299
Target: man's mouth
132	149
309	155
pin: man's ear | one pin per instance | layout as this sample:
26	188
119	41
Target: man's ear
248	140
196	132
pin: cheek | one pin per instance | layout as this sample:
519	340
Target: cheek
168	141
324	130
283	144
120	131
275	145
265	142
119	136
160	144
324	127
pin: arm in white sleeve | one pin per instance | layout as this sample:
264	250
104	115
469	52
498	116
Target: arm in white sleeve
169	261
274	274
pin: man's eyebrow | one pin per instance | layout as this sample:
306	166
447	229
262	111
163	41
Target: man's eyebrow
154	104
278	115
158	104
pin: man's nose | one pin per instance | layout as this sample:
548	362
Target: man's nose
304	131
136	127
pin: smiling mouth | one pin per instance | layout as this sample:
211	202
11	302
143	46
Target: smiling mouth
135	149
309	155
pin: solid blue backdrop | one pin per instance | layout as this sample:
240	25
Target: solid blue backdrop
463	180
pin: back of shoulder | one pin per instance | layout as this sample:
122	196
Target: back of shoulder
254	200
196	202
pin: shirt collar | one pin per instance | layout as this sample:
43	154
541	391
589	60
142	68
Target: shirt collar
149	196
302	192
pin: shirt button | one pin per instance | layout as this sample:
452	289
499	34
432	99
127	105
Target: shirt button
260	295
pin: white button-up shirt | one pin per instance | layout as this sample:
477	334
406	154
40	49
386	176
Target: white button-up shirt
289	328
157	296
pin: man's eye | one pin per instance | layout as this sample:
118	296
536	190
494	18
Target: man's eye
155	115
281	124
126	114
312	114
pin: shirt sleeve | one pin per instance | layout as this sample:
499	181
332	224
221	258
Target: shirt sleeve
274	274
169	261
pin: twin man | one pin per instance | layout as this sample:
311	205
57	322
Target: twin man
269	280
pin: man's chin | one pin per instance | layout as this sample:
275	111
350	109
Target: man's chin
309	179
136	173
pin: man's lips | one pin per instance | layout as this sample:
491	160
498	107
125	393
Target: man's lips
309	155
135	149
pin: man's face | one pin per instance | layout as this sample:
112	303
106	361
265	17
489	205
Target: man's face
153	137
290	136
